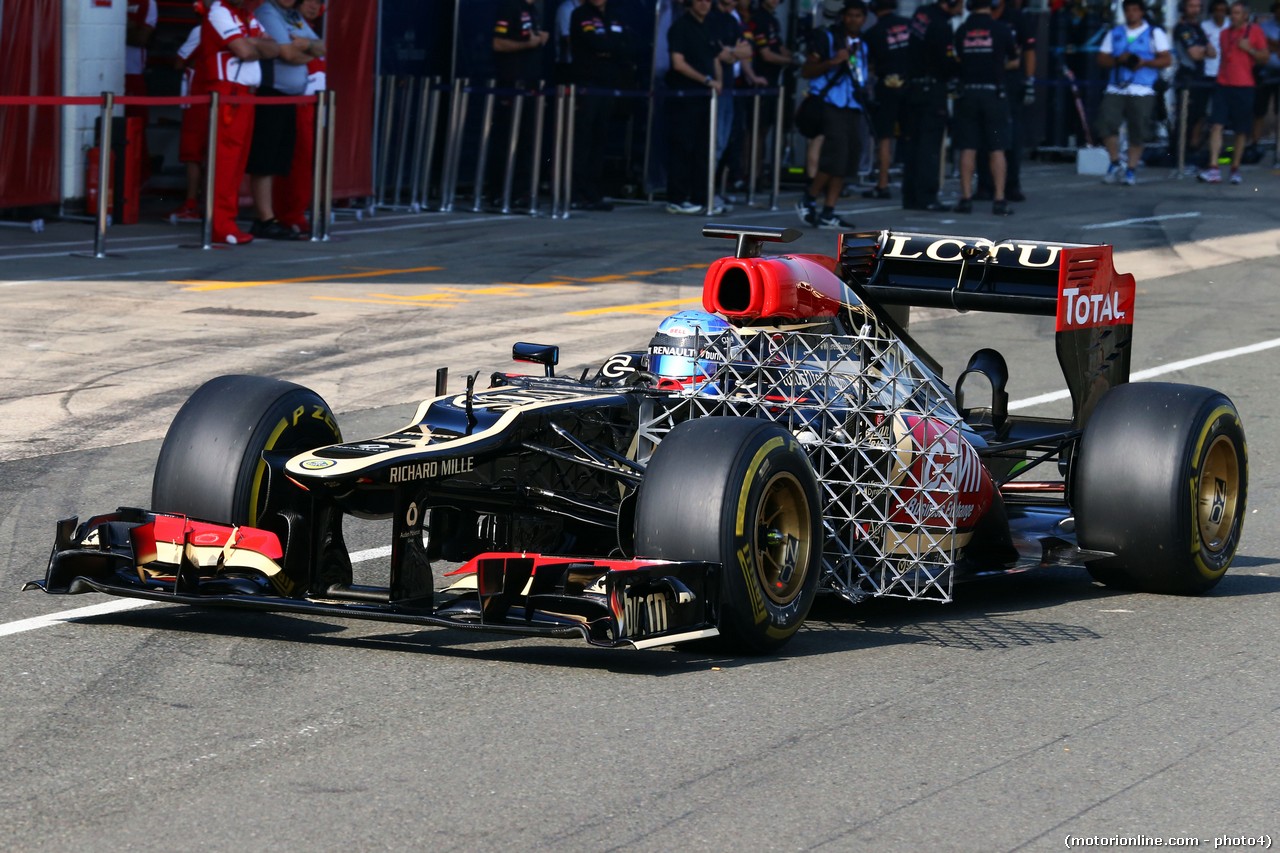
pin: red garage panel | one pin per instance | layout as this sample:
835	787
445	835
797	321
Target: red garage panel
351	38
31	44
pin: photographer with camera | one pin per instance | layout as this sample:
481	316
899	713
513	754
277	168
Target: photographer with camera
1135	51
836	68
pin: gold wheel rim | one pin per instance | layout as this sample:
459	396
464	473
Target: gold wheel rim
1219	493
783	523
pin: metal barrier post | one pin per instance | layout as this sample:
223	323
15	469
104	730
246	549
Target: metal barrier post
711	153
571	122
210	171
415	175
482	156
104	175
1183	131
403	149
433	130
457	122
332	120
535	170
387	104
777	150
513	142
557	160
753	169
317	166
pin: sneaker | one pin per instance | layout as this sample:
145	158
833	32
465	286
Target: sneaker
1235	176
808	213
272	229
877	192
833	222
1130	179
1113	175
239	238
1001	208
1210	176
687	208
964	205
187	213
727	202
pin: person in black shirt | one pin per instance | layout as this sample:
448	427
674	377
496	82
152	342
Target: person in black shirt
1191	47
931	65
694	49
603	58
772	58
889	42
517	44
984	49
1020	86
517	61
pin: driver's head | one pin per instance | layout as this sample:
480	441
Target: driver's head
675	348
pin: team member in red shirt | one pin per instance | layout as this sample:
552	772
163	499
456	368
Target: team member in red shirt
232	41
1242	45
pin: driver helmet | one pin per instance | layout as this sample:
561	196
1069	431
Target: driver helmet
675	348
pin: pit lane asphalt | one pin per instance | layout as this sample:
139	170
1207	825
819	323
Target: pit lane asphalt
1034	707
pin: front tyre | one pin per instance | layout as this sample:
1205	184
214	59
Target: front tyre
1161	481
211	466
739	492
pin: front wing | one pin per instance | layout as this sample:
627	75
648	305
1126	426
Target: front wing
161	557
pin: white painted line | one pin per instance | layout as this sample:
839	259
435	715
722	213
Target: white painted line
1141	220
1171	367
115	605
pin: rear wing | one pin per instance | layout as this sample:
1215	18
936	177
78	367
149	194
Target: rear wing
1075	283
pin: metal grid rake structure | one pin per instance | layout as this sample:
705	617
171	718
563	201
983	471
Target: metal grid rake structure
880	431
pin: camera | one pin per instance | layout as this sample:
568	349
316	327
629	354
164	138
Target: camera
1132	61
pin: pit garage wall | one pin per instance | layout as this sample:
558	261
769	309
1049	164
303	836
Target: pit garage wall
92	63
30	45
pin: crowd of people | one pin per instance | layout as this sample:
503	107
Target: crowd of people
274	50
885	89
1228	73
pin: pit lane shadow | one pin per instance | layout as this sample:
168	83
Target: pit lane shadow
987	615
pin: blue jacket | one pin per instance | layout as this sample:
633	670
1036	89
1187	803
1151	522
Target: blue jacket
1144	46
851	77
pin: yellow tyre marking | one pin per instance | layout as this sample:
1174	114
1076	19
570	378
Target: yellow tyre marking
1194	485
262	470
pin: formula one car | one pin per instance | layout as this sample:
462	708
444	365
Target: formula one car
792	438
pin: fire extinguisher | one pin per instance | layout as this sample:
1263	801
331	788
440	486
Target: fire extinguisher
91	183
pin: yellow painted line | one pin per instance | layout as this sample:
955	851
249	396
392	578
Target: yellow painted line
510	289
639	308
380	301
201	286
424	297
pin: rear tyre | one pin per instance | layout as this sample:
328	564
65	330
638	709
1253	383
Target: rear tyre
739	492
1161	481
211	466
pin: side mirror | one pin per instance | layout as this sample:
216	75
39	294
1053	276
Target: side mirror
545	354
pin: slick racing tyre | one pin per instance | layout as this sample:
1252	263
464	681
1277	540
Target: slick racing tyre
739	492
211	464
1160	481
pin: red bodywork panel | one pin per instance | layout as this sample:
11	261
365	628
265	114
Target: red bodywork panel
787	287
1090	291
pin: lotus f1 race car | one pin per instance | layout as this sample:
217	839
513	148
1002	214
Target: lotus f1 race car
791	438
